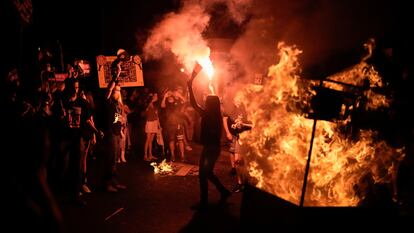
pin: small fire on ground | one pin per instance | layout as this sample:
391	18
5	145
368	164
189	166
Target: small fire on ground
174	169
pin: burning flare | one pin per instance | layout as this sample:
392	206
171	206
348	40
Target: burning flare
181	34
342	166
207	65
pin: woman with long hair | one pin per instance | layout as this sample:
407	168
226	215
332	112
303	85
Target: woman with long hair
211	128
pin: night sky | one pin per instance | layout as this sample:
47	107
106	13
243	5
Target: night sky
88	28
84	28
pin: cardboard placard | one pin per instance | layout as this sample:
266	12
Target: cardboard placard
60	77
131	75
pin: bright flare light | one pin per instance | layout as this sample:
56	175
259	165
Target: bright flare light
207	65
208	68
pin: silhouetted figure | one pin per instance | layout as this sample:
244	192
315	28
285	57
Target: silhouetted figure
211	128
29	202
116	124
235	122
78	121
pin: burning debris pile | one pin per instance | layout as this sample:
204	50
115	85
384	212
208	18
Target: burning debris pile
174	169
345	159
162	168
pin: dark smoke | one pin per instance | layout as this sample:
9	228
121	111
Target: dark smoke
330	33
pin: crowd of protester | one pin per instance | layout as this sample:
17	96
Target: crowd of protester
54	129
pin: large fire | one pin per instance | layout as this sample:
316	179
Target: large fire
277	147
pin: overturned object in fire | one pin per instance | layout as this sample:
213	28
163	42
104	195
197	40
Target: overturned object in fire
349	155
360	105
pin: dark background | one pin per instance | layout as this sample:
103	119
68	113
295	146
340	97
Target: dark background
330	33
84	28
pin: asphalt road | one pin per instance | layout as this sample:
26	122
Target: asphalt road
152	202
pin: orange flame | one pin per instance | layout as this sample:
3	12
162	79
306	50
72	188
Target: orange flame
162	168
277	147
357	75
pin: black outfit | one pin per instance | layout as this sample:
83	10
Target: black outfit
211	129
174	118
75	128
114	136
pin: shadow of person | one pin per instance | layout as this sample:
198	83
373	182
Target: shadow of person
216	218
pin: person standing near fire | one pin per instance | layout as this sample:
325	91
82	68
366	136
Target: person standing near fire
235	123
171	104
211	128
